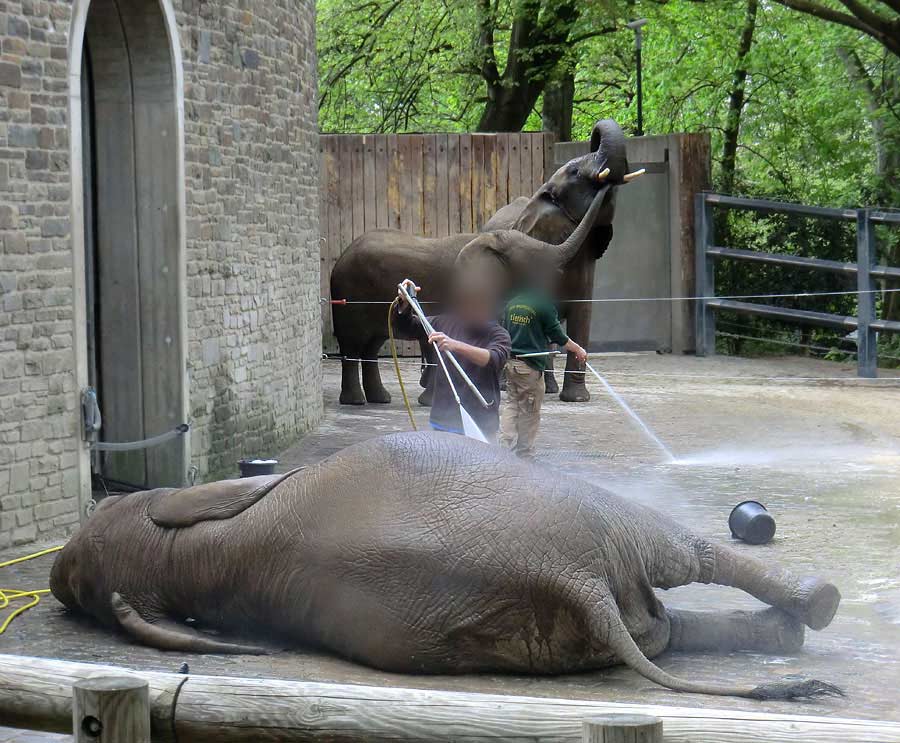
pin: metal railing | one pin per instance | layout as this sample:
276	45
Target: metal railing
866	323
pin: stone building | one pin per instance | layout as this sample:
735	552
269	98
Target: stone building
158	242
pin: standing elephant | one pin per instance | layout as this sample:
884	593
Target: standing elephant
429	553
372	266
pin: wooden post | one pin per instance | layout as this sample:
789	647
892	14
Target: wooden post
111	709
622	729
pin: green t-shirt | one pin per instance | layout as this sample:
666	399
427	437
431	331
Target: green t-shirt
532	323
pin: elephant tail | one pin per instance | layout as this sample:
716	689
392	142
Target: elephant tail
626	649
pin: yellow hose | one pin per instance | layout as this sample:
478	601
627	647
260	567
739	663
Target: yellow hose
9	594
390	324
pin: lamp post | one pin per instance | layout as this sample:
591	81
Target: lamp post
636	26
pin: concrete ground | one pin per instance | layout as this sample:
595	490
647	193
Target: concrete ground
820	448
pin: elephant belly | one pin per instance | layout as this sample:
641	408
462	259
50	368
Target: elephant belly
495	632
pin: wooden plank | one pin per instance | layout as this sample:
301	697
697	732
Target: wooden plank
525	165
415	170
358	186
465	183
453	185
549	147
333	246
345	195
159	233
537	160
324	237
370	221
489	169
515	166
430	196
394	182
118	333
36	694
382	211
502	170
477	181
405	178
442	202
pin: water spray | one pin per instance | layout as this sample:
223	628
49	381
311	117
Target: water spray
634	416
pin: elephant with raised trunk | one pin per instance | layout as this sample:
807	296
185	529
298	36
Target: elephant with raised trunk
429	553
372	266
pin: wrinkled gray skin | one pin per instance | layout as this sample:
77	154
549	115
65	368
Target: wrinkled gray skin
430	553
372	266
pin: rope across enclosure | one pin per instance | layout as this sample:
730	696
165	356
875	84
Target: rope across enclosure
604	300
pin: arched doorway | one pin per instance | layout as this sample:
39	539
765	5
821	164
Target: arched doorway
128	230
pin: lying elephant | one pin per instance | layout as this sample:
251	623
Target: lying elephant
428	553
375	262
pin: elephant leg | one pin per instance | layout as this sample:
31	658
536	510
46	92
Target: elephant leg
351	391
767	631
811	600
550	385
159	635
371	374
609	629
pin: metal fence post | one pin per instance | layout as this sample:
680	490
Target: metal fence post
704	318
866	338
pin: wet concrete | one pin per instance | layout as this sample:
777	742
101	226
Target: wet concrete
824	456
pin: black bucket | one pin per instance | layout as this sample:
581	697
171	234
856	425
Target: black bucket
254	467
751	522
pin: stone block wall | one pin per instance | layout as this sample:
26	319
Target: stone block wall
252	167
39	443
252	247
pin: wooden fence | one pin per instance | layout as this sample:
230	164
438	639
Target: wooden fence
426	184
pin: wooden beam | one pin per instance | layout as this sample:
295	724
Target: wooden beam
36	693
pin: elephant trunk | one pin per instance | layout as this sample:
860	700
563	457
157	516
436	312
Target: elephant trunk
569	249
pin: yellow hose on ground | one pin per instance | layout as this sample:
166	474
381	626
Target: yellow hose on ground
9	594
390	324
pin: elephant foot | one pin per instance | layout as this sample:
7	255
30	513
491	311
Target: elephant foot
574	393
550	385
777	632
820	603
381	397
352	398
425	399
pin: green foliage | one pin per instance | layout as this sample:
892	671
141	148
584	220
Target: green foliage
814	127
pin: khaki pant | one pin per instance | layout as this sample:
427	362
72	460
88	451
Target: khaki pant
520	415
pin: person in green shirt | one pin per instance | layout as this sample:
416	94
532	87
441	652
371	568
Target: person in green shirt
531	319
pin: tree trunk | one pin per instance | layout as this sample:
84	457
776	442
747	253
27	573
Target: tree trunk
556	115
736	99
538	40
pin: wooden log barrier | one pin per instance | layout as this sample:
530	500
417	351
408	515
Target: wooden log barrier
622	729
36	694
111	709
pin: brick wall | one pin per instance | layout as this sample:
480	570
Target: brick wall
251	172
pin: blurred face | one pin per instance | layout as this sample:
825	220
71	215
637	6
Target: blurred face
474	303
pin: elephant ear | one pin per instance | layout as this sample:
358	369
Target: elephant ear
212	501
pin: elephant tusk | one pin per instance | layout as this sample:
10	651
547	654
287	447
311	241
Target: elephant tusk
636	174
601	176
